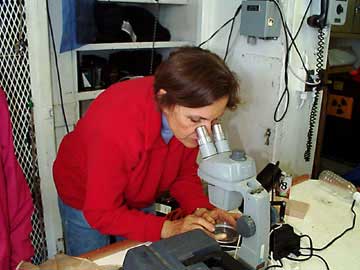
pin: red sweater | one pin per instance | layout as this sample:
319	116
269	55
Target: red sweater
116	162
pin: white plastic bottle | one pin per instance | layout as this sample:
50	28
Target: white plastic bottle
337	185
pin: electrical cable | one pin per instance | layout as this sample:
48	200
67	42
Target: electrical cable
286	90
280	265
321	258
156	19
229	39
238	243
298	52
274	229
302	80
340	235
312	123
301	23
221	27
214	34
231	30
312	249
310	242
296	35
308	256
288	48
57	67
314	108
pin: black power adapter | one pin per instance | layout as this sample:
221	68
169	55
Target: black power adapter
283	241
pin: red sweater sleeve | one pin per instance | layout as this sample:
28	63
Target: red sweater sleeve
187	188
20	211
105	202
16	201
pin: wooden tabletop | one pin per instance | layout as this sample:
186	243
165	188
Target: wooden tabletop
108	250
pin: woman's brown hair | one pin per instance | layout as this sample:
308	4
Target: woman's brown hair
193	77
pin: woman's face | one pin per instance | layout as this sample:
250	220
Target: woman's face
183	120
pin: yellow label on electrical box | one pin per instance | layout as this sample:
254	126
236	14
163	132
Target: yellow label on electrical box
338	85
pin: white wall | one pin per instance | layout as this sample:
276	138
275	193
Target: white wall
41	89
67	70
260	69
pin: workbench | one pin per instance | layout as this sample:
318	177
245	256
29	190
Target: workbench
326	217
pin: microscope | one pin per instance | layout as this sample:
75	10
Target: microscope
231	179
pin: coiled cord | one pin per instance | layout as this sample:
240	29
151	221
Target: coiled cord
312	121
314	108
320	51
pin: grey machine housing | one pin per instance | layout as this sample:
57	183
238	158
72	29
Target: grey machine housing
231	178
260	19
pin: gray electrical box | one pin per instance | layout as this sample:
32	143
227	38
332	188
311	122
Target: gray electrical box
260	19
337	12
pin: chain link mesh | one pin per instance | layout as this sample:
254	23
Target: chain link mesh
15	80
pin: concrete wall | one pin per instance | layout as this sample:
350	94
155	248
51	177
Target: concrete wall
260	69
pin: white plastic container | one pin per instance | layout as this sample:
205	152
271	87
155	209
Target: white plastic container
337	185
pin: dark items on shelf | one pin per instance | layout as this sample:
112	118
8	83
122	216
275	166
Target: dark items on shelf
90	21
135	63
97	72
91	72
123	23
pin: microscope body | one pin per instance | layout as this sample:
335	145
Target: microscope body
231	178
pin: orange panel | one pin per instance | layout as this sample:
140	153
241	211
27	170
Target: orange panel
340	106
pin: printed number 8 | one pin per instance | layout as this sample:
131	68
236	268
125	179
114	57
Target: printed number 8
283	185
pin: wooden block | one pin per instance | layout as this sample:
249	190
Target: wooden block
296	209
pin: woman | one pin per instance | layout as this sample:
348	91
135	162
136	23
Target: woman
136	141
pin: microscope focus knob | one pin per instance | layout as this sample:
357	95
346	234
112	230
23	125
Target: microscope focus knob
238	155
245	226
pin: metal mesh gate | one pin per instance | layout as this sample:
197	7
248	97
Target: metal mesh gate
15	80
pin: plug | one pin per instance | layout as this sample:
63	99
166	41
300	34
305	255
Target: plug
356	196
310	78
283	241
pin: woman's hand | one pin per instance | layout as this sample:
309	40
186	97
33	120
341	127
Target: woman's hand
203	219
217	215
190	222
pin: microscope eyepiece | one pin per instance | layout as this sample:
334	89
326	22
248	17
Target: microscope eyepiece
221	142
206	145
218	132
203	135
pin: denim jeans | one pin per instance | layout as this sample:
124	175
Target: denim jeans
79	236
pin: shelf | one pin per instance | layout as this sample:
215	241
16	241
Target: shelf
88	95
339	69
133	45
345	35
172	2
